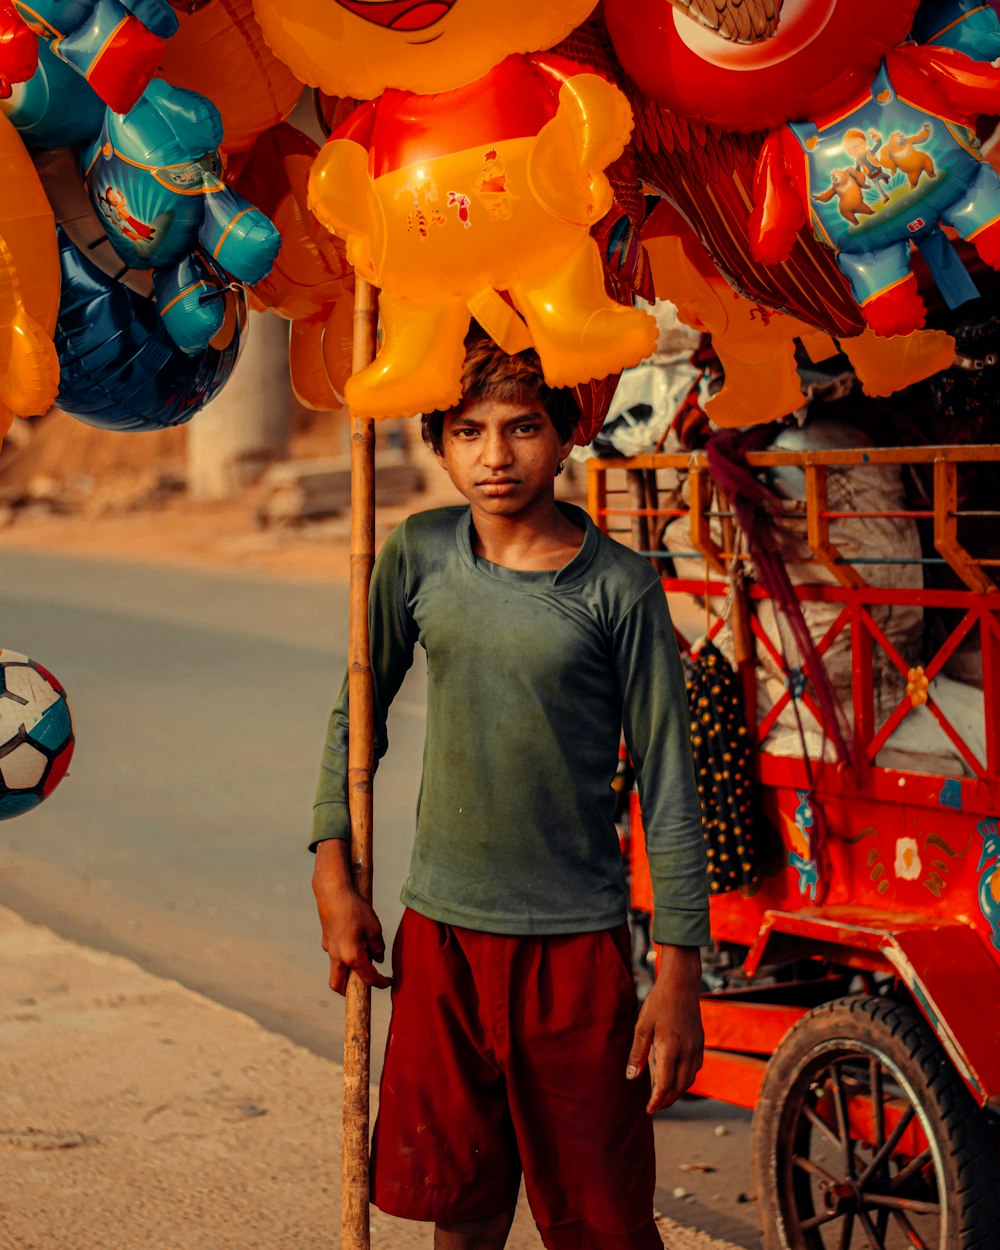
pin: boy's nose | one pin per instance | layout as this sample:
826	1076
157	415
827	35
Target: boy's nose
496	451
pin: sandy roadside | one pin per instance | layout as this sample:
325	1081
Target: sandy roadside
134	1113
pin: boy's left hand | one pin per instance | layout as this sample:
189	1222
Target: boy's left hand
668	1032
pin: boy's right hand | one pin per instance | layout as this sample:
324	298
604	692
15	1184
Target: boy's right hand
352	933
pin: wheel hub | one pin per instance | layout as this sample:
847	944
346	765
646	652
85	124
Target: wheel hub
842	1198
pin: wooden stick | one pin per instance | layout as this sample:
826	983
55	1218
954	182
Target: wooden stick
356	1230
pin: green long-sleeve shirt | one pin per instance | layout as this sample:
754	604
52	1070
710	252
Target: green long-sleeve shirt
531	677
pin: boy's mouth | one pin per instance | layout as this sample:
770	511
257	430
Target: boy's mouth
399	14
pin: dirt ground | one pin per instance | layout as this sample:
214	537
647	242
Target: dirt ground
134	1112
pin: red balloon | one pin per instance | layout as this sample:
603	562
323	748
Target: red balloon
824	52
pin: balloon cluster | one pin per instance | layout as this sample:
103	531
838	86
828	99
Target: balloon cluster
495	162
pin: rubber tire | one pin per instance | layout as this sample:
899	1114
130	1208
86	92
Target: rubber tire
967	1134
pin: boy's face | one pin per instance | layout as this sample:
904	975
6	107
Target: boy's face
502	457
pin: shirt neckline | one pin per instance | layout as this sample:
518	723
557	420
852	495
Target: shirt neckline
570	572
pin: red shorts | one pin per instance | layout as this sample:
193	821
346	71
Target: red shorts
509	1053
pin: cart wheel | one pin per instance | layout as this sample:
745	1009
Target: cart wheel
866	1138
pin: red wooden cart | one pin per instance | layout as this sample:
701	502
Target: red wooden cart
859	1014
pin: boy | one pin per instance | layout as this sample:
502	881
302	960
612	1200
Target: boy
514	1043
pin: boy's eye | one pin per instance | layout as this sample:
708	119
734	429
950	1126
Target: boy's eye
528	427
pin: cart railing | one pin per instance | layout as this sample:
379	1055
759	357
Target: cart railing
624	498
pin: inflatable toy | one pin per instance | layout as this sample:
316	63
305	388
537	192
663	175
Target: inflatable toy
120	370
311	278
115	46
29	287
756	344
969	26
821	46
486	182
18	48
220	51
154	178
883	175
442	223
36	733
55	108
358	48
447	200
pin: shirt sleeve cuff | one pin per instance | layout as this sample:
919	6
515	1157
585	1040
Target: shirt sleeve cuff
330	820
680	928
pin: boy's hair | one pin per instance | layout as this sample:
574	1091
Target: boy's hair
490	373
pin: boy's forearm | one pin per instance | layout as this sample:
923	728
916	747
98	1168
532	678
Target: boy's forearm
332	867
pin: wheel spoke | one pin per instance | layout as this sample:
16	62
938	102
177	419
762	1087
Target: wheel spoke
846	1232
882	1224
840	1103
888	1146
914	1238
815	1221
915	1165
817	1121
874	1240
890	1202
812	1167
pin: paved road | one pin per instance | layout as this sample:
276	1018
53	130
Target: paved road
178	838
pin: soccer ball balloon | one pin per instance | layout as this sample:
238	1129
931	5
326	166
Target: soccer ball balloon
36	734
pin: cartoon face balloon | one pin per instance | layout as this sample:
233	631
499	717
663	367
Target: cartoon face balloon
360	47
823	51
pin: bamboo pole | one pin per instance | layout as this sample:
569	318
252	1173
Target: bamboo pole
356	1231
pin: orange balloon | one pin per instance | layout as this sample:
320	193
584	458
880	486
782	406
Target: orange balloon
29	286
219	51
311	270
354	48
756	345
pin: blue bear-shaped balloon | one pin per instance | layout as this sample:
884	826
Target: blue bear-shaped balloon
116	45
155	180
55	108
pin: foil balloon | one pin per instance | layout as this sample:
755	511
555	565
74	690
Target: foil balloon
311	277
219	50
115	46
18	48
887	173
756	344
357	48
820	47
120	370
55	108
968	26
447	200
154	177
29	287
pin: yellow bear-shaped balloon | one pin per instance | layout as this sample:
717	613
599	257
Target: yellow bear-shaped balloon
29	286
478	171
